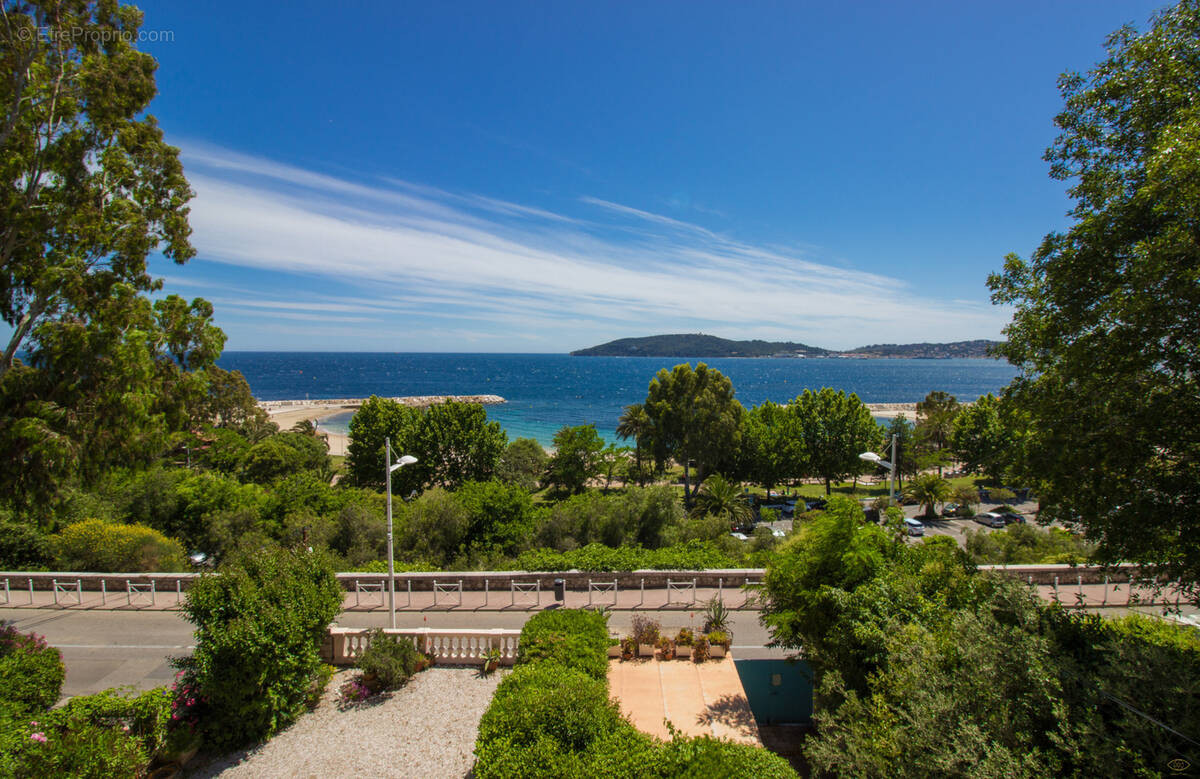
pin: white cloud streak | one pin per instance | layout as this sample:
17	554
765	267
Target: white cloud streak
522	273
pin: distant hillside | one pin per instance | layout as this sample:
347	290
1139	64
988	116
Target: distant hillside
696	345
700	345
927	351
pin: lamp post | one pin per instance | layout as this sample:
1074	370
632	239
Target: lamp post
407	459
871	457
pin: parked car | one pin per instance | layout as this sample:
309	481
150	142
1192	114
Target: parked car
1011	518
740	536
914	527
777	532
991	519
949	509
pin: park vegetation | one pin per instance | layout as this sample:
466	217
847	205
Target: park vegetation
926	667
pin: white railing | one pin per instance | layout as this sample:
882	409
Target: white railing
66	589
527	589
681	588
370	588
132	589
447	647
600	588
446	588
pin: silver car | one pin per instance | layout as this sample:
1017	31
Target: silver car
991	519
914	527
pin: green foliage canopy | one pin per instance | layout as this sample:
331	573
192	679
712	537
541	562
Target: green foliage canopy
1107	316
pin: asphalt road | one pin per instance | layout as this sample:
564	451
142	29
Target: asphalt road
103	649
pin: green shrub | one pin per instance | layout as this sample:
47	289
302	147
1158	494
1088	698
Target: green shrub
389	661
689	555
550	700
93	545
259	623
709	757
31	673
574	638
549	718
57	744
23	547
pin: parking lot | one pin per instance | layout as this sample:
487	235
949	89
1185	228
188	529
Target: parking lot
955	527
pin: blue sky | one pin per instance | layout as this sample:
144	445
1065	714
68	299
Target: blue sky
540	177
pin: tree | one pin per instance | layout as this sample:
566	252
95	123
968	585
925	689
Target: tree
979	439
90	188
772	445
577	457
935	422
377	419
523	463
695	418
284	454
928	489
500	515
1106	330
902	431
455	443
835	428
635	423
720	498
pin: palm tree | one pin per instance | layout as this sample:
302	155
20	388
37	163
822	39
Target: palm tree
305	426
721	498
928	489
635	423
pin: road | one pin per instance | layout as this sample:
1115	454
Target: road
103	649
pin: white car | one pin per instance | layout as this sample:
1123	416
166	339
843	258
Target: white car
914	527
777	532
740	536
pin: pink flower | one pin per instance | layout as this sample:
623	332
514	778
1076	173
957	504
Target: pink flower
39	737
33	724
125	728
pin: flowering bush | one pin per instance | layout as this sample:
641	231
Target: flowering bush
31	673
354	692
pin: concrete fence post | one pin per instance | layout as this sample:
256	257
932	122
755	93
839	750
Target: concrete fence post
103	593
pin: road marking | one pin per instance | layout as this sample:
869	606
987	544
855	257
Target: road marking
121	646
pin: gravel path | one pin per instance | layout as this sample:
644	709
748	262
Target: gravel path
426	728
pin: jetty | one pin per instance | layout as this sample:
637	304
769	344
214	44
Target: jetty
416	401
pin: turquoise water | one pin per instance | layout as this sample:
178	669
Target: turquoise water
779	691
546	391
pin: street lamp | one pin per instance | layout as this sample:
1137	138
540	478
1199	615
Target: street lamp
871	457
407	459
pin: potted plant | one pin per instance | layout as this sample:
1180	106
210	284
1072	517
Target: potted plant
683	643
628	648
718	643
666	649
491	660
700	650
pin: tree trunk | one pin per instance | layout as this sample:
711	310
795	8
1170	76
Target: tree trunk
687	492
828	489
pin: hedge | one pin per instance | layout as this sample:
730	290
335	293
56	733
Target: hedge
553	717
31	673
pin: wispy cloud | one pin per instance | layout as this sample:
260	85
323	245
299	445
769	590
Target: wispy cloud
520	273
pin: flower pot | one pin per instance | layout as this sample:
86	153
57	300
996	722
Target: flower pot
716	652
645	650
683	653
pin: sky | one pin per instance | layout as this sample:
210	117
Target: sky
542	177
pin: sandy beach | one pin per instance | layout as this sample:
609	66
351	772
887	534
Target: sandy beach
286	416
286	413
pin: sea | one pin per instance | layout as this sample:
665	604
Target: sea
544	392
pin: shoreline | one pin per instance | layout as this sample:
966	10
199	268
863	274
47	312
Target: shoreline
287	413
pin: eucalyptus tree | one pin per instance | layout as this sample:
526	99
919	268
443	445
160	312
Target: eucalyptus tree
1106	328
695	418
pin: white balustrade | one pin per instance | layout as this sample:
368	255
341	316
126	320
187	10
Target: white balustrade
446	647
602	588
65	589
